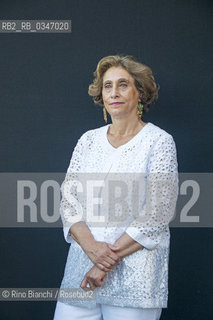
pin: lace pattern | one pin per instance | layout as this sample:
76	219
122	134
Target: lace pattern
140	279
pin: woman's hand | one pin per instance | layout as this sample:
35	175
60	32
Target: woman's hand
102	255
93	278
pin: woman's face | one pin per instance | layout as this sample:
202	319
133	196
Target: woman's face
120	95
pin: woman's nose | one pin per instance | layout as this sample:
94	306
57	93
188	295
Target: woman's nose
114	92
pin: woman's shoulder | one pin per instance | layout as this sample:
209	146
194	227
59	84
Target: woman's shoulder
96	130
156	132
92	134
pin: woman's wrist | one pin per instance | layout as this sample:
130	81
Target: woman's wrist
127	245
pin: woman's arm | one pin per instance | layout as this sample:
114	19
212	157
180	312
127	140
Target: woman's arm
161	195
72	217
95	277
126	246
104	256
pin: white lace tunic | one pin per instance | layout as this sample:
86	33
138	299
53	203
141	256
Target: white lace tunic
149	158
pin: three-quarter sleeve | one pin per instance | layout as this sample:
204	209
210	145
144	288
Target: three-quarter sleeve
160	196
70	206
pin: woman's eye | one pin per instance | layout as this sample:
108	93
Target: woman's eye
109	86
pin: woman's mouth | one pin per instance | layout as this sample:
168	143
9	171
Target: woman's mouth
115	103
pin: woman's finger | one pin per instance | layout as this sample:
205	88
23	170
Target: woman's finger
91	285
85	285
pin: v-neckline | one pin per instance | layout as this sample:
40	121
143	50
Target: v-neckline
125	144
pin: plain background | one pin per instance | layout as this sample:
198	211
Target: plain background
45	108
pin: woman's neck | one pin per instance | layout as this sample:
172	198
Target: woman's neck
126	128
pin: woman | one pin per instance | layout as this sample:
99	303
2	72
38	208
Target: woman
124	263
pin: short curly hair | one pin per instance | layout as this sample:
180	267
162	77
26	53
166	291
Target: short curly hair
141	74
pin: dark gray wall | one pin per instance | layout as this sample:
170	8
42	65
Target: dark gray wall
45	107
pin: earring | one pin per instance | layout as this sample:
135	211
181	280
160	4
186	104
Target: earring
105	114
139	110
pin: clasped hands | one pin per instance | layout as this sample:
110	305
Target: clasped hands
104	256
